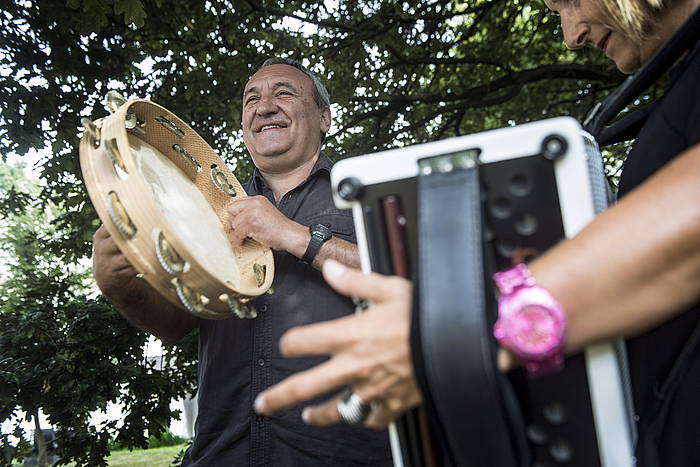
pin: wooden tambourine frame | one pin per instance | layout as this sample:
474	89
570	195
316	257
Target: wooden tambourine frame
128	209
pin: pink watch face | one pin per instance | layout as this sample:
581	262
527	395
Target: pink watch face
535	330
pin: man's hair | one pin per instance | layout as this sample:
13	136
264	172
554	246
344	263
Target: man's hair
321	96
634	18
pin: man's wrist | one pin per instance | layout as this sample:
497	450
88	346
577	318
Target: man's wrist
319	234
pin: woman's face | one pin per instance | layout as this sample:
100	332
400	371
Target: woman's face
583	23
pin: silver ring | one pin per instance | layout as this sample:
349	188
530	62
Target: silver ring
352	408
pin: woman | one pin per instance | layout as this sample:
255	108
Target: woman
639	277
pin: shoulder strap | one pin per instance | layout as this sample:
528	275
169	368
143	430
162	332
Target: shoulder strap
598	122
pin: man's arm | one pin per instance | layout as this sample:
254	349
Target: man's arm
255	217
134	298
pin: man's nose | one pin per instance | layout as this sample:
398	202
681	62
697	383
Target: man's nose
266	105
575	33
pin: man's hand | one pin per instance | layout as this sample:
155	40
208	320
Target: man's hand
112	271
369	352
255	217
134	298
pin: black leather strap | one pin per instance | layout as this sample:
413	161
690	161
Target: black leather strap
465	393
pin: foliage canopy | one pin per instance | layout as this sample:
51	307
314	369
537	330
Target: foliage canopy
399	73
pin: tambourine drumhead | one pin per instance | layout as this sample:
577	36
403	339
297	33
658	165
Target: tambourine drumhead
162	192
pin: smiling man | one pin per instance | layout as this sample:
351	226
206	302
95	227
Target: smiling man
286	114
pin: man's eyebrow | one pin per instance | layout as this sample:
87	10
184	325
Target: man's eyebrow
277	85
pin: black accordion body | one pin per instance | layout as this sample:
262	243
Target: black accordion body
449	214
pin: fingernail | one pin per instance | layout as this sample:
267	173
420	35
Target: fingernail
306	415
260	404
332	268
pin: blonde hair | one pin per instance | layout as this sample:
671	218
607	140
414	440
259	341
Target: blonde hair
634	18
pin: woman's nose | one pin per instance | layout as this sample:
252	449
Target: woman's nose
575	34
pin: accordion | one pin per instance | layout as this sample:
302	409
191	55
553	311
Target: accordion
448	214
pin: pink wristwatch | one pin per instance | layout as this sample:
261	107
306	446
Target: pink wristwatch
531	323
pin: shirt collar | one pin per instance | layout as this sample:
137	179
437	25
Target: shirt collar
323	164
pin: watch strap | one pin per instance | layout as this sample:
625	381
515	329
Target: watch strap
314	246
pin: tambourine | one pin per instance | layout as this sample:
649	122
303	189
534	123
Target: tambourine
161	191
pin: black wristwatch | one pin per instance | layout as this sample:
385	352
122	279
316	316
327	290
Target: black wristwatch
319	234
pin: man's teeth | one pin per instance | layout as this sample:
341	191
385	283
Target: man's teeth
267	127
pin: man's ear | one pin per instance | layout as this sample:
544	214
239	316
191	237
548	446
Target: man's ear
326	120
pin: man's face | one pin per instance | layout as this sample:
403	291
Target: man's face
282	124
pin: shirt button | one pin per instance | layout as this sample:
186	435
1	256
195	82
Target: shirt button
263	308
261	362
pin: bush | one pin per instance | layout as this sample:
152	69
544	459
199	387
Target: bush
165	439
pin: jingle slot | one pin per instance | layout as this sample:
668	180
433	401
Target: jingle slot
112	150
119	216
220	181
169	259
170	126
187	156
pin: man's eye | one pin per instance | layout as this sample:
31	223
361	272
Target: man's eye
251	99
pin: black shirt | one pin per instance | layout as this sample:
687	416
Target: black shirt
238	359
669	414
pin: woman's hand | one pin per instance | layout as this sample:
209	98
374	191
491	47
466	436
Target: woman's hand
369	352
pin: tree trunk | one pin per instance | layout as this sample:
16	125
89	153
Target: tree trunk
39	442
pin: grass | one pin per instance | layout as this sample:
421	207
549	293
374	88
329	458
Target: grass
155	457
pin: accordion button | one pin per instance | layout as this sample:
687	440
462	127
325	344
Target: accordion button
536	434
561	451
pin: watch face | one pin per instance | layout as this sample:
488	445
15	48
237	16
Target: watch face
535	331
320	231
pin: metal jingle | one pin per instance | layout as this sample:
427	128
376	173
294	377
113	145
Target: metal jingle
131	122
92	131
120	218
169	259
170	126
241	310
259	270
112	150
187	156
238	307
113	101
220	181
193	301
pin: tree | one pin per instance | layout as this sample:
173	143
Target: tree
67	353
400	73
